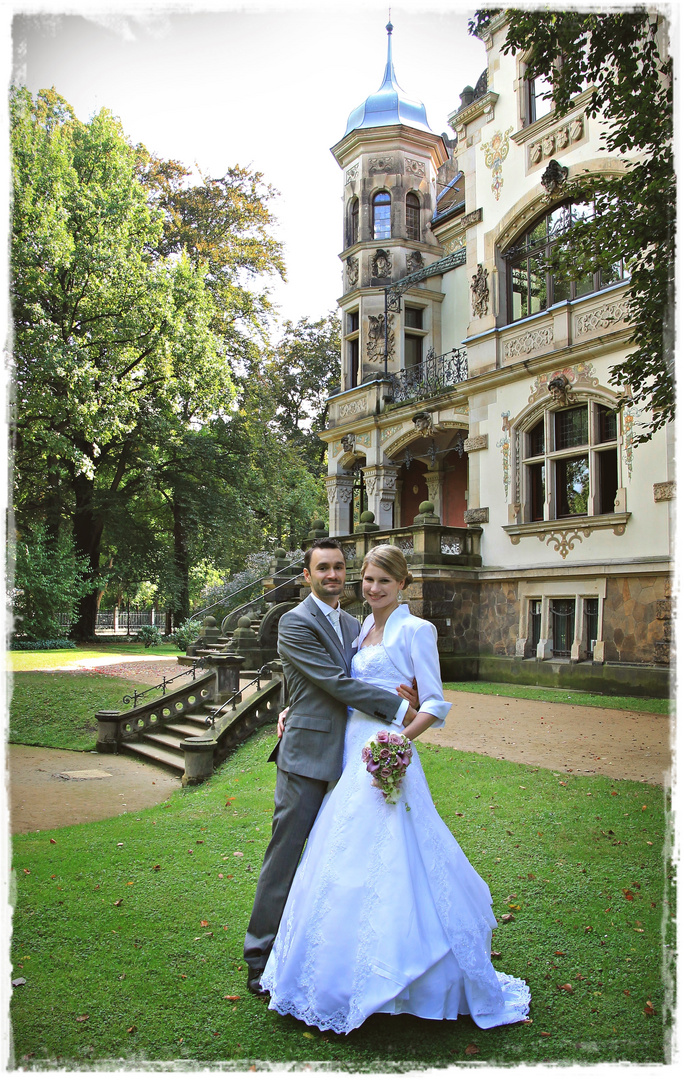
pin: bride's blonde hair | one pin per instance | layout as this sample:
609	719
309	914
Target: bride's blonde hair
390	559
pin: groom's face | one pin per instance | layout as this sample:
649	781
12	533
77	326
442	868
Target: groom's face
326	574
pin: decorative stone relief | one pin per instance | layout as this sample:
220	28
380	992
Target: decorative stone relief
352	272
339	489
455	245
415	168
602	318
352	173
495	153
414	261
406	546
353	408
527	343
554	178
433	486
505	444
387	433
664	492
382	164
579	375
564	540
479	516
348	442
364	440
480	292
476	442
369	480
558	139
375	346
349	552
628	418
386	506
381	264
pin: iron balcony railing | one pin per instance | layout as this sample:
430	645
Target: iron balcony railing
434	375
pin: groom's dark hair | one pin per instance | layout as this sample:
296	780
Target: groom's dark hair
325	542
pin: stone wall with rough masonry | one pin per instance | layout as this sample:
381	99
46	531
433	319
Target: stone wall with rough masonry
637	619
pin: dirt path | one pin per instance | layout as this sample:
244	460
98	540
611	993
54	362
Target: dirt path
624	745
41	796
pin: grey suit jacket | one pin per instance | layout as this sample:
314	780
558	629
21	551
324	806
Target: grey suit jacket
316	667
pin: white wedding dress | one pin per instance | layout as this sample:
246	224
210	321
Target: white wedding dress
385	913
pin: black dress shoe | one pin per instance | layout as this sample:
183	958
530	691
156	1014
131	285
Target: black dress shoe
254	983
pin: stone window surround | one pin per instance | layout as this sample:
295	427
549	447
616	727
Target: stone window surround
519	428
561	589
529	130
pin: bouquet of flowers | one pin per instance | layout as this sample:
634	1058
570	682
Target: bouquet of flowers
387	757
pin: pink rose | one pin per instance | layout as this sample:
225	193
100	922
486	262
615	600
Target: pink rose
384	754
382	737
385	772
394	739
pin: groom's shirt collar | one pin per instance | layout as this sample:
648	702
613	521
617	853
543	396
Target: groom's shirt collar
325	608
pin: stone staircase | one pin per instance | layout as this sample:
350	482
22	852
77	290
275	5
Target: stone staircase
164	747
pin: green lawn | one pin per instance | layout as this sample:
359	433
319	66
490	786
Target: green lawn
53	658
565	697
129	931
58	710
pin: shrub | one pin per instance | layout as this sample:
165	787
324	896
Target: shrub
45	643
186	633
49	579
149	635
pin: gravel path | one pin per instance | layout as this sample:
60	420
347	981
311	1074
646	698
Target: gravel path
624	745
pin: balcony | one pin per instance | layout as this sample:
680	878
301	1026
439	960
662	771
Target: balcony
435	375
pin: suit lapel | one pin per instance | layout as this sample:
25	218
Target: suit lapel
327	627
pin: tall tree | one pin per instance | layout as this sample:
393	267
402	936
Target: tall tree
622	56
115	338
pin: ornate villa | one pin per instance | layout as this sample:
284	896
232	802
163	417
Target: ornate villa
477	426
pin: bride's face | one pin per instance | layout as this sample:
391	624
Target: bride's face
380	589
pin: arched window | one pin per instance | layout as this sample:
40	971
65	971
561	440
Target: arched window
569	462
532	285
382	226
412	216
353	223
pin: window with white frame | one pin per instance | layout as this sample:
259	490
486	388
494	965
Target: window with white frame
569	462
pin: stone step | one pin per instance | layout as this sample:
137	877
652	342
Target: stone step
168	760
166	741
183	729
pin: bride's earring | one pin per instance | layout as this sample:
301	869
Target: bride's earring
400	596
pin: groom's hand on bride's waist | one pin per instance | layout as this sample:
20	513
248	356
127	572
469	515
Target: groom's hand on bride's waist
410	693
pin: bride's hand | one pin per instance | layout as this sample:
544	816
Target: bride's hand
281	722
410	693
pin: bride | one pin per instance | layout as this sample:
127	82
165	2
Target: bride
386	914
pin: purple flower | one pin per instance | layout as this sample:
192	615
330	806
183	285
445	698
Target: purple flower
365	754
385	772
382	736
372	766
384	754
395	739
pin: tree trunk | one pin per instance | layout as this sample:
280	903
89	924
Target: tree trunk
88	541
181	561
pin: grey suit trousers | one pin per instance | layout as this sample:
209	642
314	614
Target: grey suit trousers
297	801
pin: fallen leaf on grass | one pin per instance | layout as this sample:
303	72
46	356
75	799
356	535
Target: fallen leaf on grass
559	952
307	1035
231	997
18	982
649	1010
546	1033
204	922
508	918
130	1030
118	903
27	871
80	1019
157	867
495	954
472	1048
54	841
628	894
565	986
238	854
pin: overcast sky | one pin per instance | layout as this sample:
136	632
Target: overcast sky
264	85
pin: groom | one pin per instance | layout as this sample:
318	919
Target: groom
316	642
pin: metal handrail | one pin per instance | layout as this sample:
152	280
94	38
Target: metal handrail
210	719
139	695
249	585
